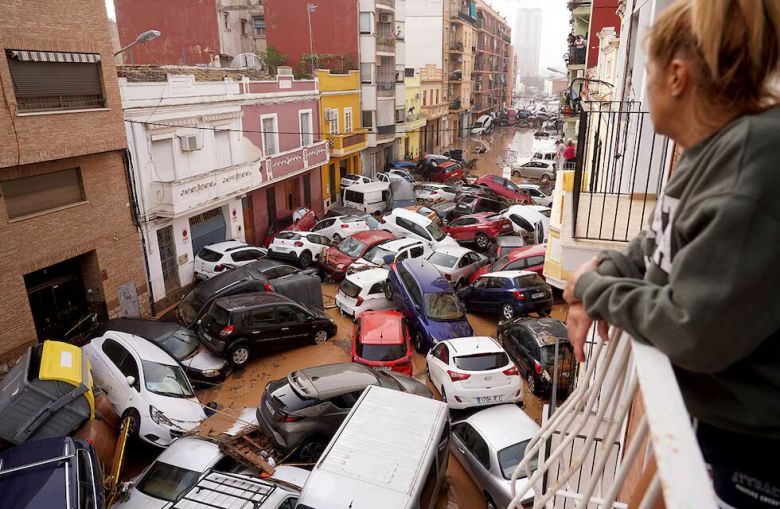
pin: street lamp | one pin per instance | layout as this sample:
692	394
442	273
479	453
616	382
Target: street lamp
309	9
147	36
556	70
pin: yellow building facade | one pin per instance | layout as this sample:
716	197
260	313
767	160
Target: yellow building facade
340	119
411	145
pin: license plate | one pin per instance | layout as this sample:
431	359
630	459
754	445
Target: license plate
383	368
489	399
565	375
283	249
537	295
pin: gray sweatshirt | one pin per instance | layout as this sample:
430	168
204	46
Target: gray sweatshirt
702	282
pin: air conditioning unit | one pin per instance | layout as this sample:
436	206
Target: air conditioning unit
385	18
190	142
331	114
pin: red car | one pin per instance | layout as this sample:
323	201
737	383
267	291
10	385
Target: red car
336	260
523	258
447	171
381	340
479	228
302	219
505	188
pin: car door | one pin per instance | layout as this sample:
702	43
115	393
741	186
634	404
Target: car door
318	244
477	295
459	229
325	227
528	350
246	256
119	364
439	364
295	326
261	329
497	291
512	343
464	438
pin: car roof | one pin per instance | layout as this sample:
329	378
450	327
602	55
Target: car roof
340	210
471	345
427	275
224	247
331	380
398	244
454	250
546	329
503	425
153	330
145	349
526	251
411	216
381	328
368	277
370	186
510	273
244	300
480	215
529	186
373	236
191	453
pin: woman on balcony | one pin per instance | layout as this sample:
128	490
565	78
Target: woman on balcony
702	282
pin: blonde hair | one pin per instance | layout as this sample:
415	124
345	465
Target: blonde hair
733	44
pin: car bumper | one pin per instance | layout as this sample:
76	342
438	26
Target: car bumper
215	345
162	435
335	274
208	377
524	308
278	255
283	441
470	398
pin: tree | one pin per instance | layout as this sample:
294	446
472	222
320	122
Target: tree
272	59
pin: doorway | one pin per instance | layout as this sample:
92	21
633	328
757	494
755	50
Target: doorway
170	269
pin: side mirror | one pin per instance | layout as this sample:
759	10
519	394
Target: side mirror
130	380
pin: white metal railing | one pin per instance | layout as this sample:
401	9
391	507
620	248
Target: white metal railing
582	458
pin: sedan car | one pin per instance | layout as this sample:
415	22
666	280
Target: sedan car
144	382
505	188
428	302
456	264
302	219
531	345
216	258
348	180
480	228
473	371
530	258
536	169
511	293
433	191
405	223
381	340
336	228
179	342
490	444
336	260
303	410
304	248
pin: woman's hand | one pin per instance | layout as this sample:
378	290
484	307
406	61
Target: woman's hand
568	292
577	326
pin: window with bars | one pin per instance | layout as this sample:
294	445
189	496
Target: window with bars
270	135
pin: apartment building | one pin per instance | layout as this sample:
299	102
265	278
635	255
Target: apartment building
67	226
435	133
493	63
460	49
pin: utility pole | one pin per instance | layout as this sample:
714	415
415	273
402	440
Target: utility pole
309	9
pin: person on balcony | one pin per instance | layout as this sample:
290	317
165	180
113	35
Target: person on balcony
570	152
701	282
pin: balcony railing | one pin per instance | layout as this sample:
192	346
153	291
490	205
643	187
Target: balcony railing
385	88
455	105
456	46
345	143
576	56
622	439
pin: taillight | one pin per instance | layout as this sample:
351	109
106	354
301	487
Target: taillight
267	287
456	377
219	267
359	301
344	226
290	418
298	244
512	371
448	277
227	331
537	368
517	294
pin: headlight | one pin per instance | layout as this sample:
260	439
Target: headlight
340	266
158	417
210	373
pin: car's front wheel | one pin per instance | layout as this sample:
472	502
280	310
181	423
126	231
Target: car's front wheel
135	423
388	291
320	337
507	311
545	179
240	355
311	451
305	259
482	240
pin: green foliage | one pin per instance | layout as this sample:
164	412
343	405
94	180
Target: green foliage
272	59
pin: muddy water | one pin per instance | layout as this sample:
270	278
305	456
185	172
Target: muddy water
504	145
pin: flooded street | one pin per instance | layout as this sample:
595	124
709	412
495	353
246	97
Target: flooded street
503	146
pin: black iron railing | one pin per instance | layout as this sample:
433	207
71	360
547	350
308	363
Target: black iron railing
620	170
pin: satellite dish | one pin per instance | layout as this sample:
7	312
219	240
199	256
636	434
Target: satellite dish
247	60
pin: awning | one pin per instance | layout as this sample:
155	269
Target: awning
54	56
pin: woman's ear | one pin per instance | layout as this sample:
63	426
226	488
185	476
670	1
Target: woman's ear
678	77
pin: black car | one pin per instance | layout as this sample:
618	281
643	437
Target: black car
475	204
239	327
531	345
180	342
259	276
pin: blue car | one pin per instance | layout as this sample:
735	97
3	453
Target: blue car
428	303
512	293
407	165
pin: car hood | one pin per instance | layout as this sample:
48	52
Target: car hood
184	412
334	257
411	385
449	330
203	360
447	241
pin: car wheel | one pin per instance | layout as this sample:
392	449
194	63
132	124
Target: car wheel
388	291
516	174
135	426
545	179
489	504
240	355
482	240
460	285
531	379
311	451
336	238
544	313
507	311
305	259
419	341
320	337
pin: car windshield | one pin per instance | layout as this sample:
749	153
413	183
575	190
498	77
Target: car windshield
352	247
381	352
529	280
482	361
510	457
477	125
208	255
377	255
180	344
511	186
435	231
166	380
443	260
349	288
370	221
190	305
444	307
288	236
167	482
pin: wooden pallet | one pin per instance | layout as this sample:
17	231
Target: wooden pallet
246	447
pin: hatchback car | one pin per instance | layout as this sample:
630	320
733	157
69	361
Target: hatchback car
528	222
144	382
179	342
468	205
473	371
530	258
536	169
430	305
447	171
336	228
339	210
302	219
490	444
348	180
511	293
304	248
537	194
303	410
387	253
216	258
432	191
381	340
363	291
336	260
505	188
480	228
456	264
531	345
242	326
405	223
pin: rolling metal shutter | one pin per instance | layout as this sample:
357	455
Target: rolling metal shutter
207	228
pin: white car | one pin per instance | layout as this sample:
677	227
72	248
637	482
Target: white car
390	177
496	437
457	264
363	291
215	258
483	125
348	180
536	193
529	222
336	228
433	191
406	223
389	252
143	381
302	247
473	371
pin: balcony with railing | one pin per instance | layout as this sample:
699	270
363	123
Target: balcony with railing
456	46
386	78
342	144
576	56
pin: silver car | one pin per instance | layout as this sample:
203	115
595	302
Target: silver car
490	444
536	169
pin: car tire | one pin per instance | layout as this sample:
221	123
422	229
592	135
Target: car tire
544	314
507	312
531	380
460	285
418	342
336	238
545	179
136	426
304	260
320	337
516	174
239	355
482	240
388	290
311	450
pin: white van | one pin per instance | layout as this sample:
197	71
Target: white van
483	125
372	197
389	453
